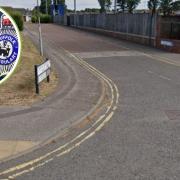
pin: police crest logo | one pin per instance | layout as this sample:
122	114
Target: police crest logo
10	45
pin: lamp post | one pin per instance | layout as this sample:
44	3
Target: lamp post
40	30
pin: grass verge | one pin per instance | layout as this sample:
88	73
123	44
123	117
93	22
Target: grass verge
19	89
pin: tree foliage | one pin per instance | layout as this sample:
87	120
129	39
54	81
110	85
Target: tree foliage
105	5
122	5
43	5
132	4
17	16
128	5
168	6
153	5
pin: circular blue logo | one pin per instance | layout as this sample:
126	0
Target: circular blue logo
8	49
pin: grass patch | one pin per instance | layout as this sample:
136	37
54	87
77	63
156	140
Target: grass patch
19	89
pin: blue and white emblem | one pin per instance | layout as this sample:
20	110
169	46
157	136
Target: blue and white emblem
10	45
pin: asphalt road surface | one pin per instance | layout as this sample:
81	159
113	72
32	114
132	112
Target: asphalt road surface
142	140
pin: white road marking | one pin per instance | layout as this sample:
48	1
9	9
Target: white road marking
150	72
160	76
164	77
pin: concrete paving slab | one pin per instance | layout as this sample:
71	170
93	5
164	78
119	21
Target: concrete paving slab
11	148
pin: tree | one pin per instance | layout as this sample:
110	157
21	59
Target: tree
168	6
132	4
153	5
43	5
122	4
105	5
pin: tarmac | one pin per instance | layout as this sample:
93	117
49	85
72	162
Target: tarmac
24	129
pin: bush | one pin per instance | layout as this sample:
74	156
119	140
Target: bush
18	18
34	19
45	18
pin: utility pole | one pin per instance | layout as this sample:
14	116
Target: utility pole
40	30
75	12
46	7
115	6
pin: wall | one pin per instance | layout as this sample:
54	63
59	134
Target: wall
168	33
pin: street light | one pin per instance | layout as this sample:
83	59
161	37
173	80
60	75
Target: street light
40	30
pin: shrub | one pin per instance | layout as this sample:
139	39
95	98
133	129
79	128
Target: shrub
18	18
45	18
34	19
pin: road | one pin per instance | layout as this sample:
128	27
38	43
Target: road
142	139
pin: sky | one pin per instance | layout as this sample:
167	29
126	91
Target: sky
81	4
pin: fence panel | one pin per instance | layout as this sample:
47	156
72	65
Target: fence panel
138	24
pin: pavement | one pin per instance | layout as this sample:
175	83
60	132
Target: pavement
138	139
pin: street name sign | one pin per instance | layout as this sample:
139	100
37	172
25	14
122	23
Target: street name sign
42	72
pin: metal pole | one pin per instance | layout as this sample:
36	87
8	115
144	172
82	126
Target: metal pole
36	79
40	30
46	7
75	12
115	6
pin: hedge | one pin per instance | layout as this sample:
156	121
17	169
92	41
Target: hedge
17	16
45	18
34	19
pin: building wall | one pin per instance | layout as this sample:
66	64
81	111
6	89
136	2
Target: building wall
168	33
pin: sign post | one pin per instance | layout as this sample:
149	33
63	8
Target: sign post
42	72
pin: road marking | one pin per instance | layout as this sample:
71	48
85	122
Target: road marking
104	118
89	136
161	76
150	72
164	77
162	59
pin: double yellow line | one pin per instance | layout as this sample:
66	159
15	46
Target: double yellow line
30	166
